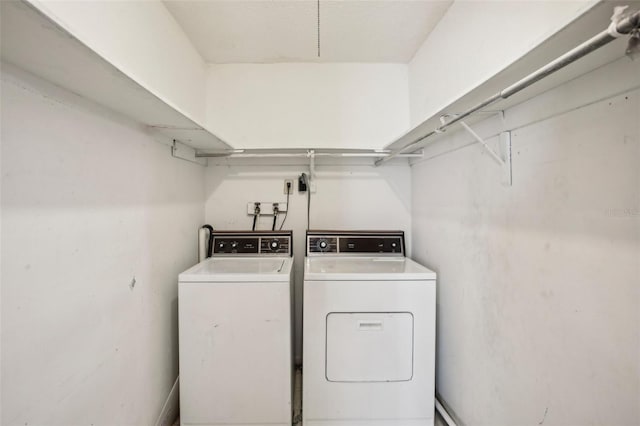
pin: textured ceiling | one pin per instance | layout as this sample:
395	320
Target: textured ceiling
240	31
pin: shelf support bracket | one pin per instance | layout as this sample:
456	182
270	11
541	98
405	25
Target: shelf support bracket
503	158
505	148
185	152
477	137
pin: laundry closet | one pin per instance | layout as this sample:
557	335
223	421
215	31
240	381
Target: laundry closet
494	146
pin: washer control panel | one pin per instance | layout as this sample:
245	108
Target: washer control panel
355	243
260	243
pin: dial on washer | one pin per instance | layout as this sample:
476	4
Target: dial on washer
323	244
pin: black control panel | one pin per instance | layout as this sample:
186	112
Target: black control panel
260	243
355	243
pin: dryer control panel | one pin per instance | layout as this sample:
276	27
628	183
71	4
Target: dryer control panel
361	243
258	243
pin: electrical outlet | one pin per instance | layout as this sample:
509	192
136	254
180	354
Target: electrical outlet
290	189
266	207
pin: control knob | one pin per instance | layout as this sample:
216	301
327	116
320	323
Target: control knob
234	245
274	245
323	244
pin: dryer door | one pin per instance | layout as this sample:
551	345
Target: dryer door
369	347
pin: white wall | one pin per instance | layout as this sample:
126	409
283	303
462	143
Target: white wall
308	105
143	40
89	201
474	41
538	296
353	195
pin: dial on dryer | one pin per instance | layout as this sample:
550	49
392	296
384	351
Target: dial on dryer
323	245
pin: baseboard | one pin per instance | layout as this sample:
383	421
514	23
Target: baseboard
449	416
171	407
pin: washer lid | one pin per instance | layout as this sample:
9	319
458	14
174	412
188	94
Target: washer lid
239	269
364	268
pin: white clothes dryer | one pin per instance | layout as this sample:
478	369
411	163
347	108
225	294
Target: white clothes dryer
368	332
235	332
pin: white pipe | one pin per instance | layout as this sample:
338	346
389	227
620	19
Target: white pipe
312	165
443	412
203	233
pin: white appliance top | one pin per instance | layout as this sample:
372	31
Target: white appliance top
372	268
239	269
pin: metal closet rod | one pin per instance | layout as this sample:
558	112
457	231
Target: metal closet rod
299	153
624	26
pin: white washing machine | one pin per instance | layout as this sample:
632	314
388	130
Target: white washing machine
235	332
368	332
